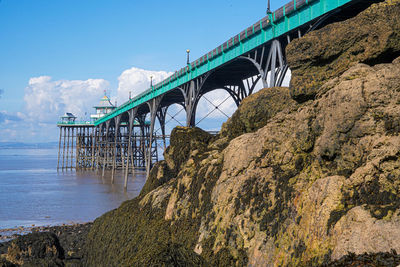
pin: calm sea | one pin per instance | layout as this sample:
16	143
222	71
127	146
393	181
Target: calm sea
33	192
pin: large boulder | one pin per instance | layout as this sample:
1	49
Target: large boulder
317	183
255	111
371	37
183	141
36	249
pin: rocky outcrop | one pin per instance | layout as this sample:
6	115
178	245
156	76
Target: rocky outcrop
372	37
182	142
316	182
256	110
46	246
285	183
37	249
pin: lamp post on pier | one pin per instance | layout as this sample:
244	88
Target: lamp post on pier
188	52
269	7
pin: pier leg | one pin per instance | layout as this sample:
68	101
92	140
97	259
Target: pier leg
63	156
128	160
116	131
78	157
99	145
93	138
72	147
132	114
59	147
105	151
67	159
105	148
153	113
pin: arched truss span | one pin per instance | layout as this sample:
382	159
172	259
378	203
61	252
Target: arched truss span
270	63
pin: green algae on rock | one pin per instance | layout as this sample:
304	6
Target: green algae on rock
372	37
255	111
36	249
46	246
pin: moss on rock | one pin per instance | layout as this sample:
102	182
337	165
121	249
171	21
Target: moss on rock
255	111
372	37
183	140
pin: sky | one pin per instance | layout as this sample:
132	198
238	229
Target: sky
59	56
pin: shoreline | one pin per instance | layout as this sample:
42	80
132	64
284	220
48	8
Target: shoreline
66	243
8	234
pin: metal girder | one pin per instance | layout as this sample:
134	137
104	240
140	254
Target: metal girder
154	105
132	115
193	92
161	114
273	67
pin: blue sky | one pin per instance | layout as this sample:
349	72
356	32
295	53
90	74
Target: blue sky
73	40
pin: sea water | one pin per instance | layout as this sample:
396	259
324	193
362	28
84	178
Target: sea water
33	192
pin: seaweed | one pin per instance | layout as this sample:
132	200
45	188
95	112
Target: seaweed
370	194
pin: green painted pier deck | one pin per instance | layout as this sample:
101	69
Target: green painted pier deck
284	20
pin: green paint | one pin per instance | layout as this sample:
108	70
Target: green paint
75	123
311	10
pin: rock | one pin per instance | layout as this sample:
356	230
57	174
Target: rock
367	259
36	249
47	246
139	238
5	263
372	37
284	194
255	111
358	232
183	140
159	175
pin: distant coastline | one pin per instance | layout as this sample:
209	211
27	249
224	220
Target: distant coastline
13	145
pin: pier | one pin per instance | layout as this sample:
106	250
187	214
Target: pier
124	138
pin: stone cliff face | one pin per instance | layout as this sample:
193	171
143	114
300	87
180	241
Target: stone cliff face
370	38
298	176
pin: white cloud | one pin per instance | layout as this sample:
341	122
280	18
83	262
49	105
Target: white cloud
6	117
136	81
46	100
209	101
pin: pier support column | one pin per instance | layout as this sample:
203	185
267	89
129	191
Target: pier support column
93	137
67	157
161	115
59	148
153	106
132	114
99	144
192	96
78	152
116	131
72	147
105	149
